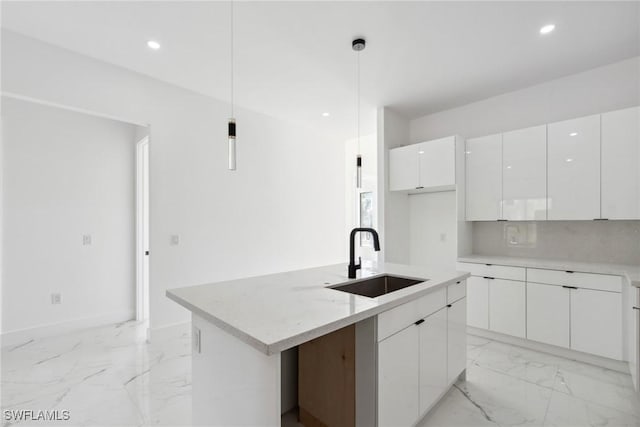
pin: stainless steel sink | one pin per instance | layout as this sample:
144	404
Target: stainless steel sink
377	286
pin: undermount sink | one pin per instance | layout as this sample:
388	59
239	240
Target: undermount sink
377	286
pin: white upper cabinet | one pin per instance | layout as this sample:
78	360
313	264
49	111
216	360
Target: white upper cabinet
425	166
574	169
436	162
524	174
484	178
620	160
403	167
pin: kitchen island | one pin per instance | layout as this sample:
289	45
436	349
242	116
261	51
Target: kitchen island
242	327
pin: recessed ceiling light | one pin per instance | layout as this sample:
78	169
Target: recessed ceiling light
420	152
547	29
153	44
467	152
569	160
325	114
508	167
573	134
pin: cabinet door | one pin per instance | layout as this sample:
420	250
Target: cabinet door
548	314
456	338
596	322
403	168
484	178
634	335
524	174
620	160
433	359
507	307
398	378
574	169
478	302
437	161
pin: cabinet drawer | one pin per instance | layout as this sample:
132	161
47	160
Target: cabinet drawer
600	282
398	318
456	291
495	271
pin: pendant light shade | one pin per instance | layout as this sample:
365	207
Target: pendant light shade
232	144
359	171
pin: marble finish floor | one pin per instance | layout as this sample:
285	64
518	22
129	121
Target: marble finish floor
111	376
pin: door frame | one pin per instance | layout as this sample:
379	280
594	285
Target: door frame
142	222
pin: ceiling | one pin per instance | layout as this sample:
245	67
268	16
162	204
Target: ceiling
294	59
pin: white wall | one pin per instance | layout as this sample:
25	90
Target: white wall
433	236
606	88
282	209
66	175
393	207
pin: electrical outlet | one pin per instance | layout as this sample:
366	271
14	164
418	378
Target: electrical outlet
196	338
86	239
56	298
175	240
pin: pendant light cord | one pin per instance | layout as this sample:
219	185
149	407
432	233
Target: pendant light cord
358	97
231	55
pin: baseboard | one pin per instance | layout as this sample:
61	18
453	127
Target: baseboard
163	332
616	365
17	337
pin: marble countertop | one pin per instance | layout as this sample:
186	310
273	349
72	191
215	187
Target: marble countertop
631	272
275	312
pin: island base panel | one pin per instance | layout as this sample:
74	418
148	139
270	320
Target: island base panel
233	383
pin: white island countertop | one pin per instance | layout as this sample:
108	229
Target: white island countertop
278	311
631	272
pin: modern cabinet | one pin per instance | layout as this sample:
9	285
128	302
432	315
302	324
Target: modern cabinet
419	358
596	318
456	339
433	358
634	335
425	166
548	314
478	302
483	158
507	307
403	167
398	379
524	174
574	169
620	160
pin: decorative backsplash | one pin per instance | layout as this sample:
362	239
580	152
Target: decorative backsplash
587	241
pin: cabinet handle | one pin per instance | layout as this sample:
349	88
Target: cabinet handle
502	220
449	305
419	188
636	308
569	287
488	265
458	282
419	322
569	271
601	219
487	277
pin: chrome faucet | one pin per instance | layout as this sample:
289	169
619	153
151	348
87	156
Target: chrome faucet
353	267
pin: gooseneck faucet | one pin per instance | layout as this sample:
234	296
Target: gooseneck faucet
353	267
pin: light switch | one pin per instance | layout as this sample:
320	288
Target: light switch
195	338
86	239
56	298
175	240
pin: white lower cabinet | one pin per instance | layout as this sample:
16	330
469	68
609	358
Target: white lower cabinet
478	302
433	359
398	378
507	307
596	322
548	314
456	339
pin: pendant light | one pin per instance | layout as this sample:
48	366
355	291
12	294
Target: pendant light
231	131
358	46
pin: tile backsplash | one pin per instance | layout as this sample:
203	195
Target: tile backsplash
586	241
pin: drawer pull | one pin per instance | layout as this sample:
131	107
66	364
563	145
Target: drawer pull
636	308
449	306
487	277
569	287
458	282
419	188
569	271
488	265
419	322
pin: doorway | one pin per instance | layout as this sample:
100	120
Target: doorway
142	229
